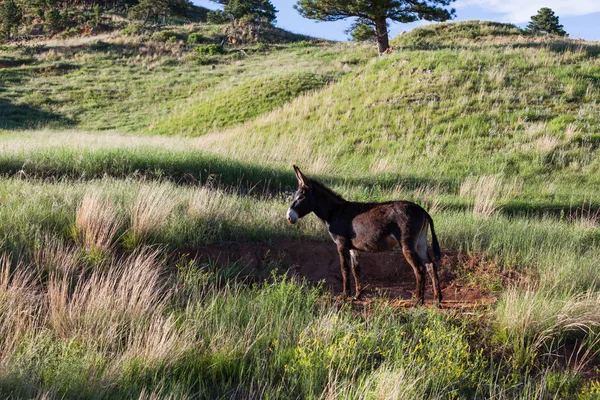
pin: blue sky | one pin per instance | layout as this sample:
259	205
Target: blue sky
581	18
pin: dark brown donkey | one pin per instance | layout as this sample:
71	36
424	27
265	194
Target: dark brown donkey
370	227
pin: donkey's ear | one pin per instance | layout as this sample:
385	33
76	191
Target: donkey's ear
302	179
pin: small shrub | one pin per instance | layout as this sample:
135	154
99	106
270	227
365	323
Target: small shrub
201	60
54	19
301	44
210	50
195	38
261	47
164	36
132	29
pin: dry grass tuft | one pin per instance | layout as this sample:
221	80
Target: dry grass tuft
394	384
585	217
209	203
20	305
108	306
485	190
537	321
546	143
97	221
55	257
151	209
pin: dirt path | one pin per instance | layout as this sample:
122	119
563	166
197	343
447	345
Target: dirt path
385	276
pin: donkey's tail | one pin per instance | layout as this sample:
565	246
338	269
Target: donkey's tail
434	242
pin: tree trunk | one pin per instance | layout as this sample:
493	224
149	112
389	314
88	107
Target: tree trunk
382	35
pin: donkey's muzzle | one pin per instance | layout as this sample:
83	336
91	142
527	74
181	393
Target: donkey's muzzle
292	217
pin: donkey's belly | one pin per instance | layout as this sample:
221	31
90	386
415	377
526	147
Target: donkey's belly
383	244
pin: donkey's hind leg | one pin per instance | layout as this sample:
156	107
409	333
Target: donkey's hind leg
411	255
430	265
354	259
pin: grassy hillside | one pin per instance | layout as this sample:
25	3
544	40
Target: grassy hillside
129	161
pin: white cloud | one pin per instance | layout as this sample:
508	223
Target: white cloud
516	11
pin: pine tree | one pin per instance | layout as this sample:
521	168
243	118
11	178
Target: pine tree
10	15
155	9
376	12
362	31
545	21
254	10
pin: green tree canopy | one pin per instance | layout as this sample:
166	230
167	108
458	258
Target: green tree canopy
10	17
255	10
377	12
154	9
545	21
362	31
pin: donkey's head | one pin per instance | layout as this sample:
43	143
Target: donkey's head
303	200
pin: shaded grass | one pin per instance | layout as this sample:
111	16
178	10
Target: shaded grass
84	156
22	116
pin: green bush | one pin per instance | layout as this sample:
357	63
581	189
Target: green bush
165	36
132	29
210	50
301	44
195	38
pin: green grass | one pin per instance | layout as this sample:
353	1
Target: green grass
464	33
225	107
278	339
132	82
121	156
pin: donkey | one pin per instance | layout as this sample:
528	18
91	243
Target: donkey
371	227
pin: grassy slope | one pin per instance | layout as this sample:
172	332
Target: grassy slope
517	109
453	102
130	82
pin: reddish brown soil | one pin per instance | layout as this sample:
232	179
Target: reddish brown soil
385	276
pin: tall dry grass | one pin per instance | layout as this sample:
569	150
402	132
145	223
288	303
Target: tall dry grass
21	306
112	316
487	191
97	221
108	306
151	209
531	323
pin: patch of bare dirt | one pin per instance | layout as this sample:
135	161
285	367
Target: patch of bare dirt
385	276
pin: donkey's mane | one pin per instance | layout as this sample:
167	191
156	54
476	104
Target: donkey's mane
327	190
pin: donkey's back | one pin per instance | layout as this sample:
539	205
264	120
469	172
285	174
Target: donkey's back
374	227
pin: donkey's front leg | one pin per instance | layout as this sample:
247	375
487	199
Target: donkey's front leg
344	261
354	258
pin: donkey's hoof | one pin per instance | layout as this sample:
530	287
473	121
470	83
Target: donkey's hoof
342	297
